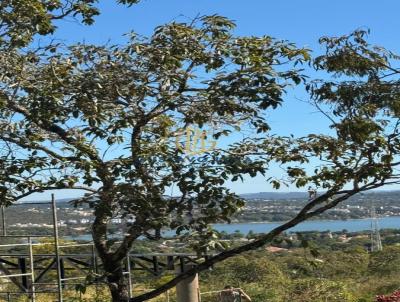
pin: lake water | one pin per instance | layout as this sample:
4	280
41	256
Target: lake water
352	225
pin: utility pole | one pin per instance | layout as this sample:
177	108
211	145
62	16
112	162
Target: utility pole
376	242
188	289
56	248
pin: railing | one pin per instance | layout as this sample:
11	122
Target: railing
23	275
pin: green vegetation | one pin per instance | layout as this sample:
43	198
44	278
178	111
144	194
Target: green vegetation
310	267
342	272
109	119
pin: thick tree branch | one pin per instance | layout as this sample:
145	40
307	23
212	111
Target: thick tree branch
30	145
42	189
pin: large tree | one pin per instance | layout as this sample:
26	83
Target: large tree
108	120
359	95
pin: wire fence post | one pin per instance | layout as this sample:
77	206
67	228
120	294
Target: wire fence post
199	294
94	267
56	248
33	295
128	267
94	260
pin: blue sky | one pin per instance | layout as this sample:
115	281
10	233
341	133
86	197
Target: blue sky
302	22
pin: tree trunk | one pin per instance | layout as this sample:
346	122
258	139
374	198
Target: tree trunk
113	265
117	283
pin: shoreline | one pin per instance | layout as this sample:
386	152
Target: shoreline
312	220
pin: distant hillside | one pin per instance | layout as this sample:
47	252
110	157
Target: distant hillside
303	195
62	200
275	195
